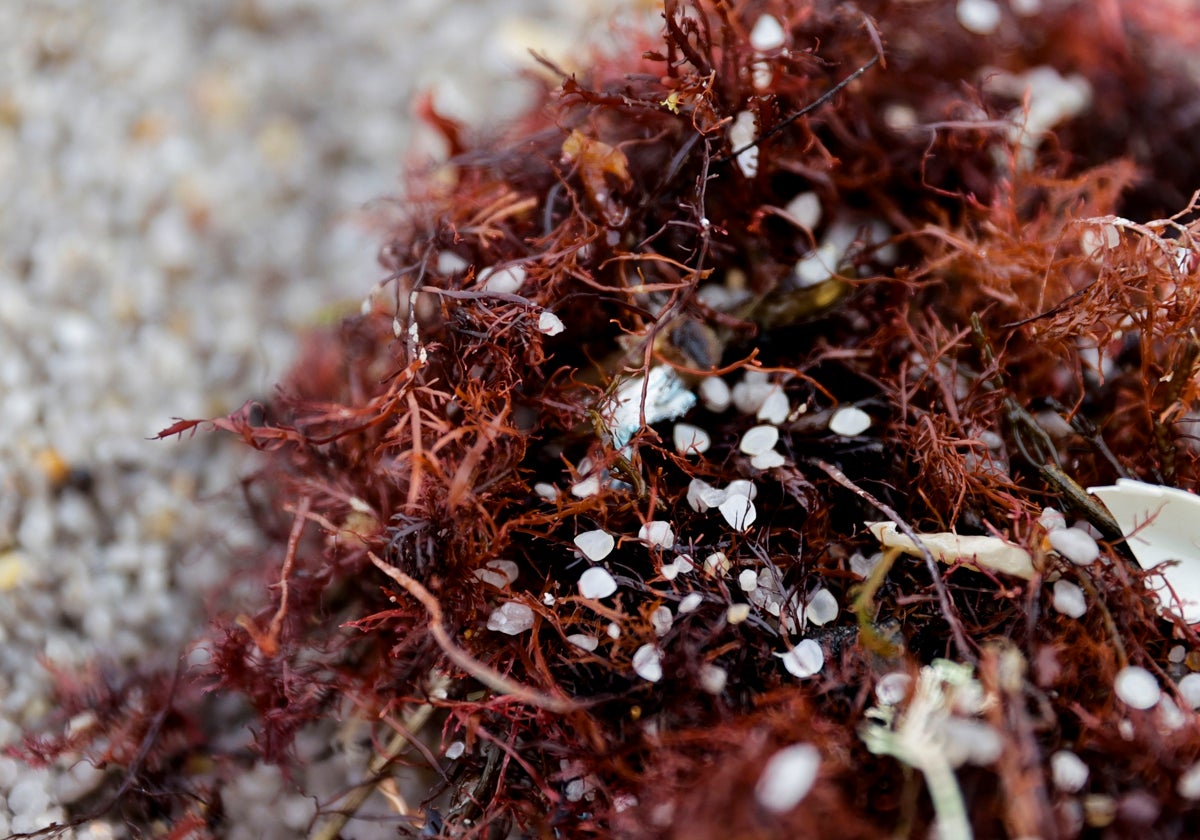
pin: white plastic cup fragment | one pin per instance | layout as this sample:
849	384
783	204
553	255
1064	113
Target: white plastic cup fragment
787	777
1161	525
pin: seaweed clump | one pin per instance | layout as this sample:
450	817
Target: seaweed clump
574	513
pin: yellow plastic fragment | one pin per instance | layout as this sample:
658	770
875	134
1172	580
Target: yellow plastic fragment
976	552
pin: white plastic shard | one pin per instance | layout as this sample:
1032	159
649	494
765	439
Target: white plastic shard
739	512
821	608
595	545
657	533
596	583
701	495
758	440
775	408
787	778
741	134
804	660
550	324
978	552
849	421
1161	524
512	618
667	398
767	34
584	641
647	663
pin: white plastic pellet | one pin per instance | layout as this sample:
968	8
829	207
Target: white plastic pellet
690	440
980	17
715	394
456	750
767	34
550	324
29	796
821	608
1188	785
690	602
1075	545
511	618
661	620
1069	599
713	678
804	660
739	512
805	209
787	778
849	421
737	613
657	533
647	663
748	580
596	582
595	545
1137	687
1068	771
758	440
1189	688
507	280
584	641
1177	654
